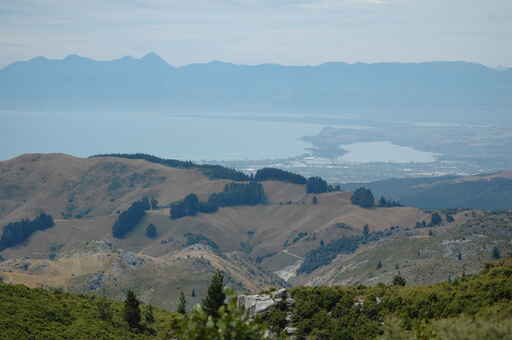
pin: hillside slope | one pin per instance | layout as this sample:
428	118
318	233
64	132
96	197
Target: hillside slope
423	255
291	239
70	187
489	192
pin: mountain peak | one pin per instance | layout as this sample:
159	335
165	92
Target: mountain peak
152	56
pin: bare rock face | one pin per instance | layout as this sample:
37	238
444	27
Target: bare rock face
262	303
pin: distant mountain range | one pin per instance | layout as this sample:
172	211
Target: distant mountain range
440	91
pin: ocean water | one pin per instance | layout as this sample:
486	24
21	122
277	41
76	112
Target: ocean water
196	138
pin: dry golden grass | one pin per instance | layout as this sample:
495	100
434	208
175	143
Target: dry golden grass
55	183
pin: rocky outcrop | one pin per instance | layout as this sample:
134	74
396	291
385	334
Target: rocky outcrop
262	303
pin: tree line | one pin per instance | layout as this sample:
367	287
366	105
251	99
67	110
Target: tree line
234	194
209	170
18	232
269	174
314	185
324	254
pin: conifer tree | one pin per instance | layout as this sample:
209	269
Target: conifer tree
182	304
132	310
148	315
383	202
366	231
496	254
151	231
436	219
216	296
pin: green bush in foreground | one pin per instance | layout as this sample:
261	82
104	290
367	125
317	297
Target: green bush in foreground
462	328
231	323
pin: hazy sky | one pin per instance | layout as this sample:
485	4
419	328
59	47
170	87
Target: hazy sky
259	31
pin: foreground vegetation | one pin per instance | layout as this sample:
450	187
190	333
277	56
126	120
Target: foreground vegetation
472	307
41	314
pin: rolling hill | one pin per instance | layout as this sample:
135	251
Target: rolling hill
291	239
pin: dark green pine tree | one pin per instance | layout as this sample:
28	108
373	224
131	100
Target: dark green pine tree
151	231
148	315
193	293
383	202
436	219
379	265
132	310
363	197
496	254
216	296
366	232
182	304
399	280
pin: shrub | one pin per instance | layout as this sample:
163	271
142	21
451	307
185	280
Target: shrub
399	281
